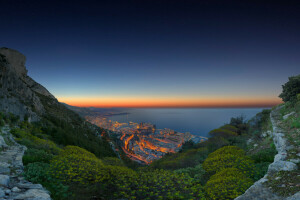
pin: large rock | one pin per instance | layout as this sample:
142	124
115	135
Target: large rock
2	193
33	194
2	143
258	192
294	197
4	180
29	186
282	166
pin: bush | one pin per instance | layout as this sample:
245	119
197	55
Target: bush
158	184
38	173
228	157
227	184
194	172
260	170
36	155
222	133
24	137
291	89
113	161
76	165
189	158
265	155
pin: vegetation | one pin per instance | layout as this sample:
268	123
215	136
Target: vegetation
291	89
68	157
227	184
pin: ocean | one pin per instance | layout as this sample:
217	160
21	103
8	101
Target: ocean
198	121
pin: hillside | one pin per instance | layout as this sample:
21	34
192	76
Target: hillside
73	159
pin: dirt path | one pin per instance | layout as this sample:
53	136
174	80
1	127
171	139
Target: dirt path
13	186
259	190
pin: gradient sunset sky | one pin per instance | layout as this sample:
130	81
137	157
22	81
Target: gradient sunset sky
144	53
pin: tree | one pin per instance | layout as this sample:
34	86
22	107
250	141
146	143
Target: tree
291	89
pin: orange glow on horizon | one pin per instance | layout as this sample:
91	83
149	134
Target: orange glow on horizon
167	102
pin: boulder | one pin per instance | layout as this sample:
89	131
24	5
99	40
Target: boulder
16	189
287	115
282	166
4	180
2	193
33	194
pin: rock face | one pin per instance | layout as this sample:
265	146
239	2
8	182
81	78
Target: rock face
12	184
19	94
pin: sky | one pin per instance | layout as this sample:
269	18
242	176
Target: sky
165	53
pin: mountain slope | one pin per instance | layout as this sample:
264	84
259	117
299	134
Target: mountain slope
19	94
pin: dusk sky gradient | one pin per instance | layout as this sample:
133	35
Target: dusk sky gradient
146	53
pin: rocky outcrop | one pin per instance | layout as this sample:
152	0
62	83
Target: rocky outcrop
19	94
259	190
12	185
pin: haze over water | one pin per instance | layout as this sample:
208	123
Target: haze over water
198	121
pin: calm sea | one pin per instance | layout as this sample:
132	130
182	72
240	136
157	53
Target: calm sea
198	121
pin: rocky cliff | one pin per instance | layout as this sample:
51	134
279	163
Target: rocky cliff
20	94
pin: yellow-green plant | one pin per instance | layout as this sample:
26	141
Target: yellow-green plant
76	165
227	157
227	184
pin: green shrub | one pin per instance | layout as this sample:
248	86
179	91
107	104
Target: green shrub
260	170
222	133
227	184
2	123
291	89
113	161
36	155
196	173
157	184
265	155
189	158
38	173
24	137
76	165
228	157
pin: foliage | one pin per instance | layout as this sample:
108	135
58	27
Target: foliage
222	133
113	161
36	155
189	158
196	173
157	184
240	123
260	170
291	89
227	184
78	133
76	165
38	173
265	155
24	137
227	157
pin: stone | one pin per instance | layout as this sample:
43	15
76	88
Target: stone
4	170
296	161
33	194
16	189
8	191
282	166
2	142
287	115
2	193
294	197
4	180
29	186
